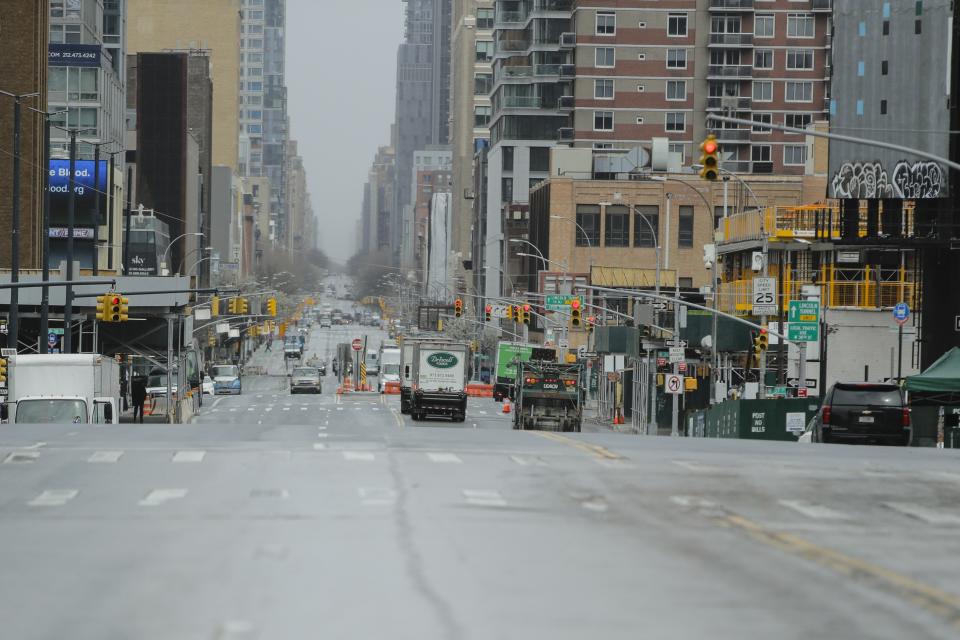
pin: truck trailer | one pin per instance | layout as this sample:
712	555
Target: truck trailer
548	397
63	389
509	355
439	380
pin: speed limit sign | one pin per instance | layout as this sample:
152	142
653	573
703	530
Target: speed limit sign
673	384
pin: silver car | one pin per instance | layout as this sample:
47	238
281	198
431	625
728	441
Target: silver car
305	380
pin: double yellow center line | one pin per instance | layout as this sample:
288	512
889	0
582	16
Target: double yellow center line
592	449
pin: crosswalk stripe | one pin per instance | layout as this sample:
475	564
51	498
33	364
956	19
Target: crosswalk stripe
105	456
160	496
361	456
189	456
54	498
484	498
926	514
444	458
813	510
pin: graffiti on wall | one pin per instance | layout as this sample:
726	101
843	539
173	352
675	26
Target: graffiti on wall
869	180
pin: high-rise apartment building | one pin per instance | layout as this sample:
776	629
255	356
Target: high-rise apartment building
213	26
423	100
645	71
470	85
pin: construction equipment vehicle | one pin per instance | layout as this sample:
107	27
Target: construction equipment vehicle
547	396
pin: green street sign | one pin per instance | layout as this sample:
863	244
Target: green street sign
560	303
804	320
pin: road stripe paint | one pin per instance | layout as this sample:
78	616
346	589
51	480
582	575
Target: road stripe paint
21	457
376	408
251	408
525	461
339	408
268	409
376	496
358	408
235	630
286	408
444	458
282	494
359	456
813	510
104	456
319	446
484	498
689	466
614	464
691	501
189	456
322	435
54	498
214	410
322	428
926	514
232	409
303	408
942	604
159	496
483	413
593	449
595	504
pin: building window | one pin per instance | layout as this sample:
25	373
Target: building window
798	91
603	120
606	23
800	25
482	84
675	121
540	159
645	235
254	86
761	119
506	190
798	120
481	116
588	225
506	163
639	119
676	89
677	147
485	19
484	50
254	128
763	59
762	91
677	25
676	58
256	72
798	59
763	25
604	57
883	107
725	24
603	89
617	229
794	154
685	227
760	153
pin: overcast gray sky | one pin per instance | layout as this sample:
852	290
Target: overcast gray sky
341	83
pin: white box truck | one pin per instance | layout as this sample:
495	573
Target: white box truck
407	352
63	388
439	381
389	365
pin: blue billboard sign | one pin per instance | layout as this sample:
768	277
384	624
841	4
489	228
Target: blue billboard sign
73	55
83	188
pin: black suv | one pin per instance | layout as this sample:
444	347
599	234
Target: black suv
865	412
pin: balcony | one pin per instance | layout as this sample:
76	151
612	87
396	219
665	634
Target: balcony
732	135
568	40
552	5
522	102
547	70
510	19
565	134
729	72
729	103
566	103
821	5
735	40
511	46
568	71
762	167
731	5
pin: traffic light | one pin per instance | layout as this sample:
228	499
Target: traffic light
272	307
761	341
709	158
102	314
214	306
232	305
509	312
114	304
518	314
488	312
526	314
3	369
576	317
591	321
124	309
243	306
458	308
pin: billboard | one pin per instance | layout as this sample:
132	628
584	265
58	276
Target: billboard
73	55
83	188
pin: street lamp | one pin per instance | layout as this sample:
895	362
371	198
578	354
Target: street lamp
586	236
163	258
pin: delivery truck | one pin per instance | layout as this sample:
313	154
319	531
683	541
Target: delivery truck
63	389
439	380
509	355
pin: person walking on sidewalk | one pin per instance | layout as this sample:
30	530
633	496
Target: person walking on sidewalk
269	343
138	393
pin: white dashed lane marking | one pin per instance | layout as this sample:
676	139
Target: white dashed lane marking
189	456
54	498
444	458
377	496
359	456
926	514
525	461
813	510
160	496
105	456
484	498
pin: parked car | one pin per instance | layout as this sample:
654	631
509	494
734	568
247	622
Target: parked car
305	380
865	412
207	385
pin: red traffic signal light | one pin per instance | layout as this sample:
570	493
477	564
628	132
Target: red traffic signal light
710	146
489	308
575	304
526	307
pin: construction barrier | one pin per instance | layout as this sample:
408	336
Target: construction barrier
480	390
345	387
392	388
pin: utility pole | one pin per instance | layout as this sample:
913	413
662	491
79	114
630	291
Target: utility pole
675	416
96	209
45	257
14	322
71	219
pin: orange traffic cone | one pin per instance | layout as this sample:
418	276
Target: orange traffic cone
506	405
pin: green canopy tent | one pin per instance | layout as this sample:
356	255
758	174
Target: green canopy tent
935	401
942	377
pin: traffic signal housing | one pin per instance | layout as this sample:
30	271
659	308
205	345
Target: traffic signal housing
761	342
458	308
3	369
526	314
114	305
124	309
709	158
272	307
576	315
509	312
591	321
102	314
232	305
214	306
488	313
243	305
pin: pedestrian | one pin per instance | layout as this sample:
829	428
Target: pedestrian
269	343
138	393
123	392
